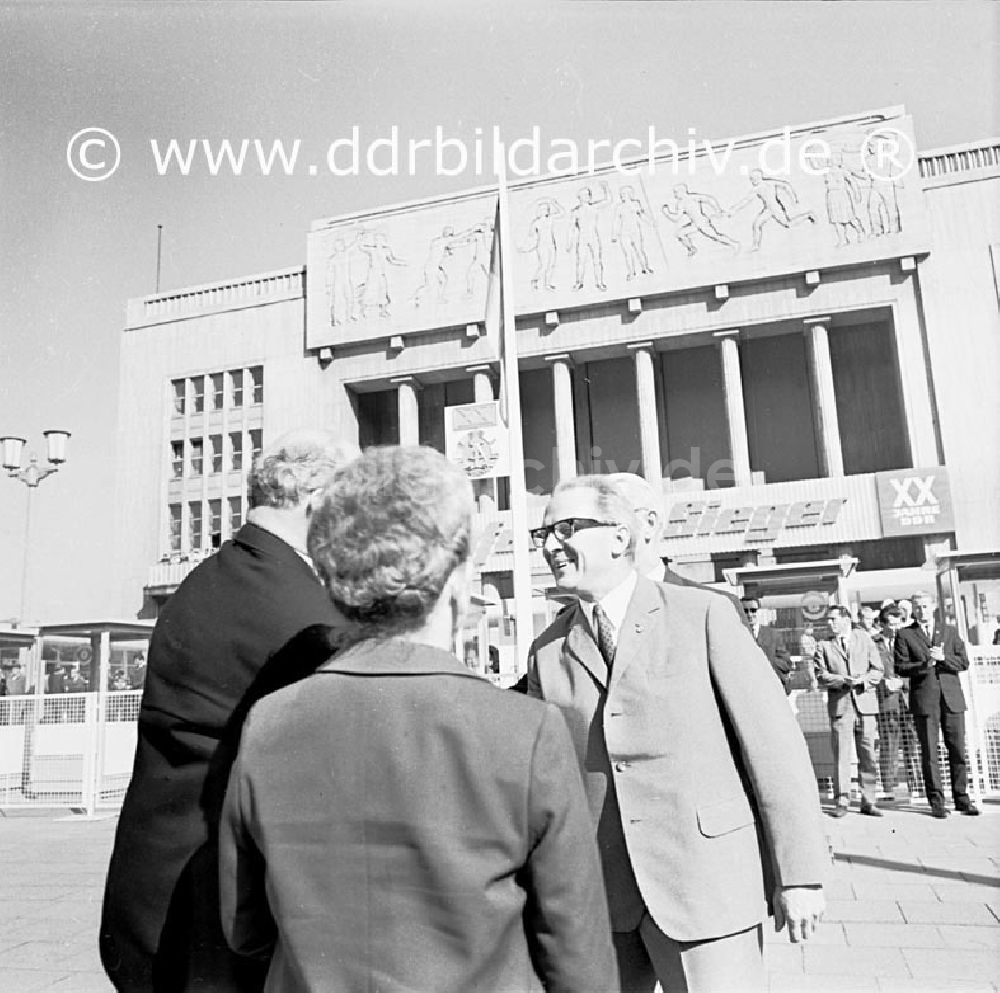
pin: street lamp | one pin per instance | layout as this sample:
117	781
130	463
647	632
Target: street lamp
10	459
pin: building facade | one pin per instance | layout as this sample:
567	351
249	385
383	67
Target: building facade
799	347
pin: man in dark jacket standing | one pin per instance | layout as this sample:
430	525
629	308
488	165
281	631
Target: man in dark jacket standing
160	928
932	655
771	643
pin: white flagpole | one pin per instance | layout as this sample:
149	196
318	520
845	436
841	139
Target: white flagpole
523	610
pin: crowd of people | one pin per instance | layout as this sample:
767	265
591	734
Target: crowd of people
324	797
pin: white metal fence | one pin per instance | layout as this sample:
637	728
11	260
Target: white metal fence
981	685
60	750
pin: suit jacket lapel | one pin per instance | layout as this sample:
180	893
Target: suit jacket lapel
921	634
579	648
637	626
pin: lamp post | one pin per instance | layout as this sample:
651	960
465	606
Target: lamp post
10	458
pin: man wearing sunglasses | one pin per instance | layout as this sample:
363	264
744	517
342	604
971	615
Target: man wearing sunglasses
674	714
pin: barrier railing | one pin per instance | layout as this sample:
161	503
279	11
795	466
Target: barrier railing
55	752
981	685
59	751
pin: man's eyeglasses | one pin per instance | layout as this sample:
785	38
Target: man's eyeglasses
565	529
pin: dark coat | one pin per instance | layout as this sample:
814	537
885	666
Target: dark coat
773	646
931	684
889	701
160	928
692	762
407	826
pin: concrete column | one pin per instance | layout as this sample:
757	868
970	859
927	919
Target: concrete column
409	412
736	415
824	398
915	379
649	428
482	383
562	391
485	490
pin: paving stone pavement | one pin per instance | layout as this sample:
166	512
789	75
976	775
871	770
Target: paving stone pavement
913	906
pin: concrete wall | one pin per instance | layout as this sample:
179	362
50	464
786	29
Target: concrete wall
959	291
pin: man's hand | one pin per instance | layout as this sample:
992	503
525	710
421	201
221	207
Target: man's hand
801	908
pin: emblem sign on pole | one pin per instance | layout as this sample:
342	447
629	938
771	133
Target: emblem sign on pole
476	439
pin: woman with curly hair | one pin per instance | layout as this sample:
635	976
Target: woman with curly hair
393	822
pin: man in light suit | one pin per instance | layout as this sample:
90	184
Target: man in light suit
693	763
932	655
848	667
160	927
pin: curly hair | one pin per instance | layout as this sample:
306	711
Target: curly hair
391	528
294	466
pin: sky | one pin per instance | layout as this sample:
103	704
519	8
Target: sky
72	252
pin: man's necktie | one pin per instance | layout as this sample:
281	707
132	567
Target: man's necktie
605	638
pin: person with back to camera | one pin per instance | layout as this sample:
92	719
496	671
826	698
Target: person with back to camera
393	822
216	635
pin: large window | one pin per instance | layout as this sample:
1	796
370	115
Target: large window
257	379
216	442
607	416
236	451
218	391
175	527
235	514
256	443
215	522
873	434
432	400
177	459
539	431
198	394
694	421
196	448
178	388
236	388
195	538
378	418
779	408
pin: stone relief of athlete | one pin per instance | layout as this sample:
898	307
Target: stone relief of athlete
585	239
481	239
883	207
875	200
374	290
629	217
777	199
440	249
343	292
693	213
542	235
843	195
